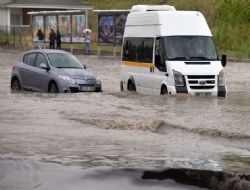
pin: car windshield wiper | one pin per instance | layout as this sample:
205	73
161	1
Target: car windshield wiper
69	67
178	58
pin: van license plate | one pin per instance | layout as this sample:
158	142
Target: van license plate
203	94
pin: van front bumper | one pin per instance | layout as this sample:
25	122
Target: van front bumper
220	91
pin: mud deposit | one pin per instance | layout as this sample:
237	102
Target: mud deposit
159	138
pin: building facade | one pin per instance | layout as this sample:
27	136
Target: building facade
14	12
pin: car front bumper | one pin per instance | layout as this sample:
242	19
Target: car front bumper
85	87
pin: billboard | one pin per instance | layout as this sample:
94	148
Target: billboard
37	23
71	26
111	27
106	29
50	23
120	21
78	26
64	26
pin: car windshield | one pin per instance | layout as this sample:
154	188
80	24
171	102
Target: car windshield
190	48
60	60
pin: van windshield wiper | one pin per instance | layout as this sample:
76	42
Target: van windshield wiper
201	58
178	58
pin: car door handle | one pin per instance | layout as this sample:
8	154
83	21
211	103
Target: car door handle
34	73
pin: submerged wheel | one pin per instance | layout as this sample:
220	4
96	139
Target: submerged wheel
53	88
15	85
164	90
131	86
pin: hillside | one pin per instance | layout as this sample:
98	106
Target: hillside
228	19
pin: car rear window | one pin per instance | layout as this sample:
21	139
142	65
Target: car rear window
29	59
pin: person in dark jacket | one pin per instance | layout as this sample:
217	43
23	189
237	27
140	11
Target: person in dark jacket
52	39
58	40
40	36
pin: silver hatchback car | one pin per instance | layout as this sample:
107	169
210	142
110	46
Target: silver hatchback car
52	71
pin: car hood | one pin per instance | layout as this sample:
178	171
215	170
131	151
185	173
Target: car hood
81	74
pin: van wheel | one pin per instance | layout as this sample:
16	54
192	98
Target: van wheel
164	90
53	88
131	86
15	85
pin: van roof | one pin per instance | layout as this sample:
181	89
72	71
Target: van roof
144	8
166	23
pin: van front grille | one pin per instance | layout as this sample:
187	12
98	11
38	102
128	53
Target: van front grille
199	82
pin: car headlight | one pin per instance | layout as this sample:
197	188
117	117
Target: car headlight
221	79
178	78
67	78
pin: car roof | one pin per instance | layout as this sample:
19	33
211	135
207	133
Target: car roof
47	51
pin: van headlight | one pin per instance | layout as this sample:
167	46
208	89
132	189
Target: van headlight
221	79
67	78
178	78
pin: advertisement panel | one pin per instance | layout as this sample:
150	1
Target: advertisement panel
78	26
111	27
50	23
106	29
64	27
120	20
37	23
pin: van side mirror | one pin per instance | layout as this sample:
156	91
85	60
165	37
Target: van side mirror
224	60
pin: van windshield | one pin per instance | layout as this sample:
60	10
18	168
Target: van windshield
190	48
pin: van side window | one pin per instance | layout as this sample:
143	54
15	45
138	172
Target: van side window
126	49
147	50
160	54
132	49
29	59
138	50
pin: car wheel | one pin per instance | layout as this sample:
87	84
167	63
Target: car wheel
15	85
98	90
131	86
53	88
164	90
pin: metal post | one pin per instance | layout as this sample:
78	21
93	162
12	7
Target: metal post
14	36
86	12
7	33
20	35
114	51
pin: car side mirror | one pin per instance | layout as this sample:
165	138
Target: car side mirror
224	60
85	66
44	66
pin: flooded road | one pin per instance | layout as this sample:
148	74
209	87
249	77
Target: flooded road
126	130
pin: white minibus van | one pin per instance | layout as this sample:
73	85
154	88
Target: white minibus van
170	52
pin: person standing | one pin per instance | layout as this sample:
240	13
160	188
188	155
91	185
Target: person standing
52	39
40	36
58	40
87	43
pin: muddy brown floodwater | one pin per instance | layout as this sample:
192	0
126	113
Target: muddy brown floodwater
120	130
